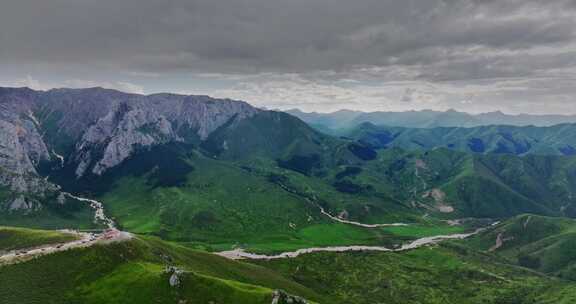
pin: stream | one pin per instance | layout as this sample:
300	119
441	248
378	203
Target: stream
99	215
238	254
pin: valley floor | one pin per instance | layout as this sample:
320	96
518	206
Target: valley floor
238	254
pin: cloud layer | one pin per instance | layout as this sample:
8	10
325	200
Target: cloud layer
474	55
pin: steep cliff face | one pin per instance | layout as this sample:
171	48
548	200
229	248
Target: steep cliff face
93	130
21	150
140	122
15	157
118	134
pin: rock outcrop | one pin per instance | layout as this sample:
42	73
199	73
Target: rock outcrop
22	149
281	297
174	273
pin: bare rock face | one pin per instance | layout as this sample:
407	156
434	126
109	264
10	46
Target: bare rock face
200	113
32	142
14	154
116	124
21	203
100	129
21	150
138	128
21	145
27	191
119	134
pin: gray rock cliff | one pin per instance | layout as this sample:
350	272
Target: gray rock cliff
94	130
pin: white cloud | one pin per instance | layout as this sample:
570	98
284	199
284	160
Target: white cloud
28	81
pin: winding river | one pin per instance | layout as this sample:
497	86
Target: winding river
238	254
88	239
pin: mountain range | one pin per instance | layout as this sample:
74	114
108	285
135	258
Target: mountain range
190	175
346	119
167	165
493	139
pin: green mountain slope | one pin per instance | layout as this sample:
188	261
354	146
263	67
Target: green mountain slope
444	274
544	244
267	134
176	192
554	140
53	214
451	184
135	272
12	238
352	178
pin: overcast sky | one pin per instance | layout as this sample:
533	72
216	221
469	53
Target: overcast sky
316	55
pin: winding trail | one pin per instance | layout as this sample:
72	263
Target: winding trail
86	239
357	223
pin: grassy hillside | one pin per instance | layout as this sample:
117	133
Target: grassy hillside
268	134
446	274
449	184
80	216
218	205
12	238
221	205
134	272
544	244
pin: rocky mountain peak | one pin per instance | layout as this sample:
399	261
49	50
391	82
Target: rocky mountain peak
95	129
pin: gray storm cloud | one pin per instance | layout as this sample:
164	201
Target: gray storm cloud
364	54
